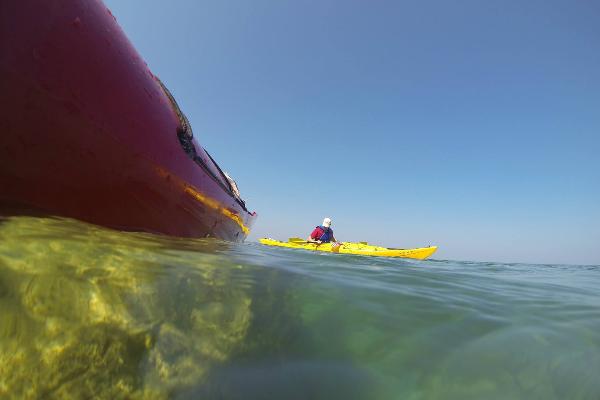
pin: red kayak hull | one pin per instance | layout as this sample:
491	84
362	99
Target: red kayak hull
86	130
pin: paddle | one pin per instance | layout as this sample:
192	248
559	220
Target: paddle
335	246
300	241
297	240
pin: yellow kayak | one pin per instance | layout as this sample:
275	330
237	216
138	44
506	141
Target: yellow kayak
360	248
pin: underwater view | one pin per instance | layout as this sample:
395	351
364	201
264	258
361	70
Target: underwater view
88	312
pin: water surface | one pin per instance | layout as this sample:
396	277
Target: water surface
90	312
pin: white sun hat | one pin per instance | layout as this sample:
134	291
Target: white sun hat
327	222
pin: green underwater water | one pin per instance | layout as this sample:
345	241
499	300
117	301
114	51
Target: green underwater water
88	312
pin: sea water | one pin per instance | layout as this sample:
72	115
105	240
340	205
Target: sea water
88	312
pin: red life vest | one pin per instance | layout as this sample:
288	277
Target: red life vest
323	234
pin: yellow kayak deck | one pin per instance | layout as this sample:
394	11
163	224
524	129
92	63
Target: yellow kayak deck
360	248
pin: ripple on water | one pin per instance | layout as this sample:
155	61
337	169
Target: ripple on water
90	312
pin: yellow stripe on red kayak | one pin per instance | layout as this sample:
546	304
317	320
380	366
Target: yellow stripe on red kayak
202	198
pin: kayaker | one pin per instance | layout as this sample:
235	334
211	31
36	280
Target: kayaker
322	233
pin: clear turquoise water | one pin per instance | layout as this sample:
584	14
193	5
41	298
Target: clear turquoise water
89	312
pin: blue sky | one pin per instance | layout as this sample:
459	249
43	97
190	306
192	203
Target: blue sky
471	125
